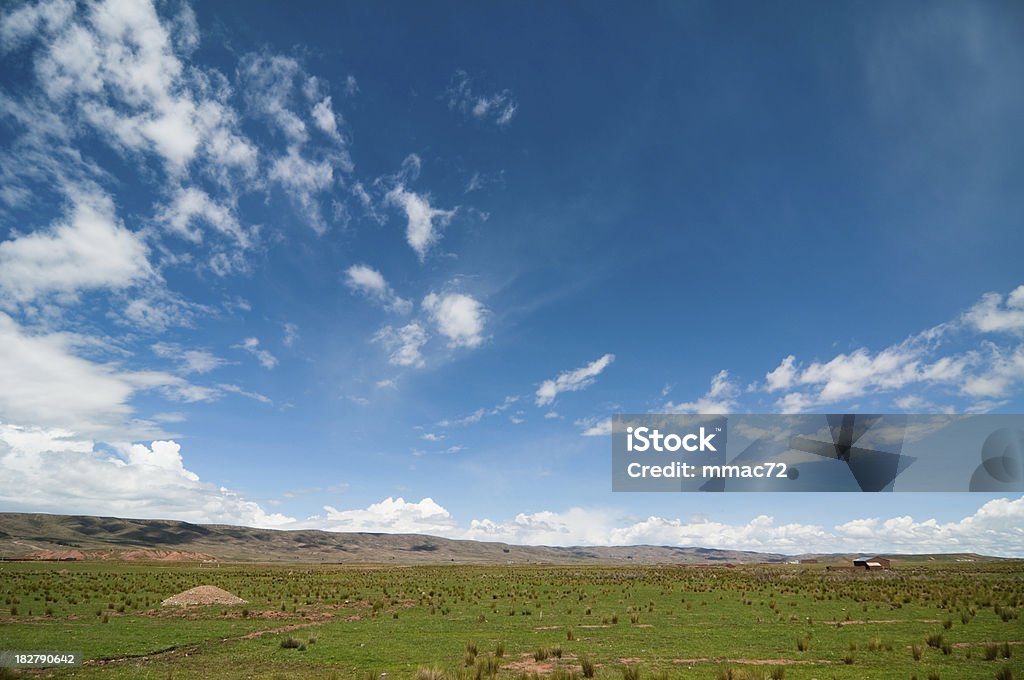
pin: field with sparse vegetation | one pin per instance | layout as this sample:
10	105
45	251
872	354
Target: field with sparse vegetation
949	621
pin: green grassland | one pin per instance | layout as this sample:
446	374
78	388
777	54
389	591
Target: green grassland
926	620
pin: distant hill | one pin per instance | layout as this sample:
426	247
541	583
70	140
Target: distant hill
43	536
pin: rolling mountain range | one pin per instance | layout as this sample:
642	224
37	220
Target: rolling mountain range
78	537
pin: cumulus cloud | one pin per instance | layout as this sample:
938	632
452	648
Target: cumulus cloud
994	529
720	398
370	282
968	357
252	346
572	381
404	344
48	470
424	222
392	515
995	314
88	249
458	317
498	107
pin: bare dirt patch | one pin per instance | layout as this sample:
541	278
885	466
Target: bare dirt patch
530	665
202	595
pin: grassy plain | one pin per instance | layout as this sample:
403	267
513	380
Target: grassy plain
951	621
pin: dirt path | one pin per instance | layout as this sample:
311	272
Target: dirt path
187	650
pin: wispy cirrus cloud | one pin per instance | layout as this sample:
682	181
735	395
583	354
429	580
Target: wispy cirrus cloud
252	345
572	381
498	107
189	360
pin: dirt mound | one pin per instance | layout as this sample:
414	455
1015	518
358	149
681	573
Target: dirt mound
202	595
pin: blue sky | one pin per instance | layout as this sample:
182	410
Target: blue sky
366	266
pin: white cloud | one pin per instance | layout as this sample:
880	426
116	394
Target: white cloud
499	107
1003	370
595	427
28	19
191	205
479	414
459	317
351	85
424	221
235	389
46	383
45	470
993	314
291	334
113	64
985	370
404	344
278	89
392	515
432	437
252	346
371	283
189	360
158	309
270	88
89	249
572	381
783	376
304	179
720	398
326	119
